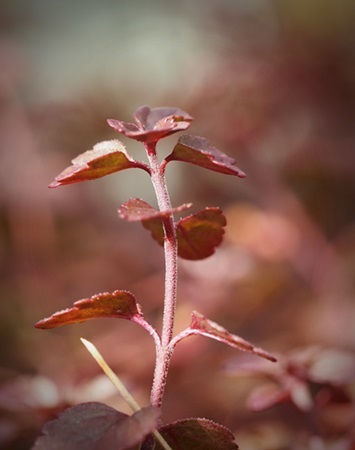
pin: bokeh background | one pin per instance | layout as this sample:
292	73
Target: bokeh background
270	83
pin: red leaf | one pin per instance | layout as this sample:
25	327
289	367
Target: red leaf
206	327
197	234
119	304
155	226
93	426
153	124
197	150
196	434
105	158
136	209
149	119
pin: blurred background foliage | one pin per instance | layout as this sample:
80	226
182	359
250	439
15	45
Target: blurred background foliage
270	83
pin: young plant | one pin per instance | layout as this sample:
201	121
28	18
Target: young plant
94	425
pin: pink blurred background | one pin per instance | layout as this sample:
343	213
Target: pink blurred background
270	83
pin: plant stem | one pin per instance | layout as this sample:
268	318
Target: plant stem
164	352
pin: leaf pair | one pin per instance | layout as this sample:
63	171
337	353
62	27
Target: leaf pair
95	426
108	157
122	304
151	125
197	234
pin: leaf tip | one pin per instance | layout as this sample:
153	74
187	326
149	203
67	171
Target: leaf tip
43	324
54	184
264	354
111	122
241	174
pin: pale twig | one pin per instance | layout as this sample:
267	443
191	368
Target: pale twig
119	385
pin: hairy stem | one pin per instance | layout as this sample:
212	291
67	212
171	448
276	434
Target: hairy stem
164	352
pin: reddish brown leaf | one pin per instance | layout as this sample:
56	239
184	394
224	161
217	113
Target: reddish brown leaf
153	124
196	434
206	327
197	150
105	158
119	304
155	226
93	426
197	234
149	119
136	209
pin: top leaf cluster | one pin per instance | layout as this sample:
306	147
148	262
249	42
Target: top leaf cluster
151	125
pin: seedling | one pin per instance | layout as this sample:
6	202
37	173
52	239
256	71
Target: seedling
91	426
